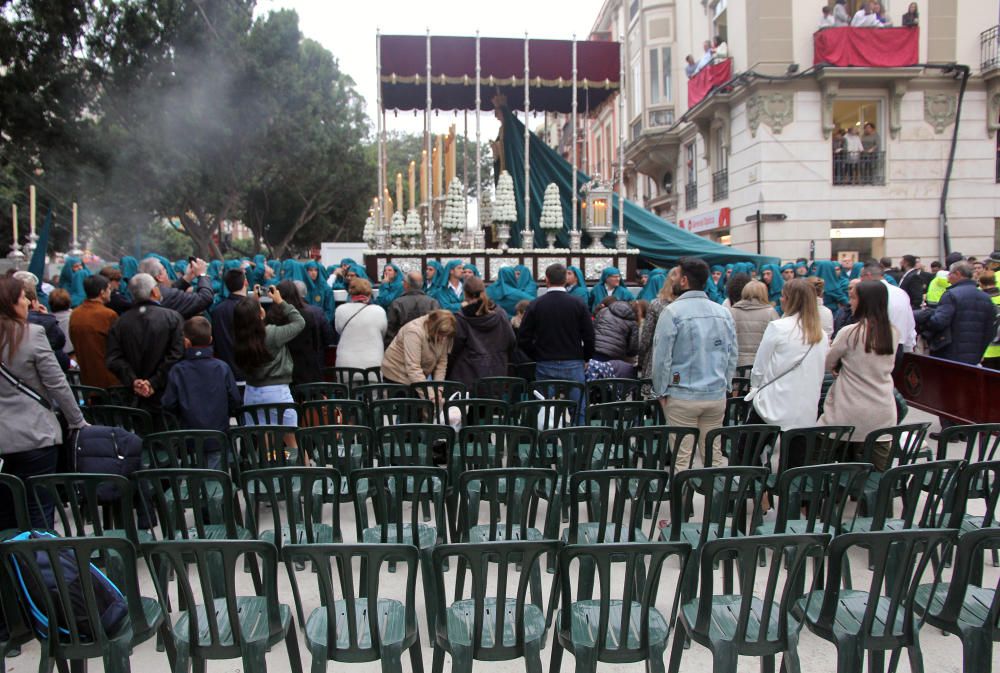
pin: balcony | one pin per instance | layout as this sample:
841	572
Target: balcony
865	170
658	118
989	49
867	47
720	185
712	75
691	196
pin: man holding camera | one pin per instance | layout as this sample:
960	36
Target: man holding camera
190	295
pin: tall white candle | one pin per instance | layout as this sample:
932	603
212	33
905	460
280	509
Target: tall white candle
75	239
31	208
13	214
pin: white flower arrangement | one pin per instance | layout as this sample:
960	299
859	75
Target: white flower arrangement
398	224
369	232
505	209
454	208
552	213
412	227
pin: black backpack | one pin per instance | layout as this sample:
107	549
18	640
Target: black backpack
100	449
110	601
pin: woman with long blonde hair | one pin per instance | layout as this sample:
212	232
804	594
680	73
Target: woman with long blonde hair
665	297
788	369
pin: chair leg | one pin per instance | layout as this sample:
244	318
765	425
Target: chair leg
767	664
429	581
654	661
555	662
586	659
292	645
416	657
724	658
916	658
849	657
876	661
677	650
533	657
437	665
78	666
790	659
977	652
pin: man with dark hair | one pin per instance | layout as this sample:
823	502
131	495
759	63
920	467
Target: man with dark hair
557	332
888	271
962	325
89	326
235	281
900	313
911	282
118	303
177	296
694	359
410	305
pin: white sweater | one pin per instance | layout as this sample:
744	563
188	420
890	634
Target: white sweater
361	343
792	401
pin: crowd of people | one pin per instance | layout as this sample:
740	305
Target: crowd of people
870	15
184	337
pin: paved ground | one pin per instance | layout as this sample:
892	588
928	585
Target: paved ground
942	654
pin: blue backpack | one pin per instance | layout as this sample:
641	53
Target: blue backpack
111	604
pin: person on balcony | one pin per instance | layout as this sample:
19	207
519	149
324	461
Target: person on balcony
691	68
720	51
706	58
912	17
827	21
840	16
866	17
871	144
853	148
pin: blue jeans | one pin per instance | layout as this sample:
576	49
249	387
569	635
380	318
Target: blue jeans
567	370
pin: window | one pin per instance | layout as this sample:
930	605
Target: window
661	117
633	9
660	89
636	91
857	145
720	178
611	153
691	188
857	239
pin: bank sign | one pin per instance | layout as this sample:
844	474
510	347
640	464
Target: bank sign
710	221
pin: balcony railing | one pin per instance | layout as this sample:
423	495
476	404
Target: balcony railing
864	169
989	48
720	185
867	47
691	196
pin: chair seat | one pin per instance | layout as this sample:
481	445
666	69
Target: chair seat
461	621
253	620
726	615
214	532
142	534
322	534
850	611
391	621
691	533
586	615
482	534
792	527
863	524
975	608
153	614
587	533
426	535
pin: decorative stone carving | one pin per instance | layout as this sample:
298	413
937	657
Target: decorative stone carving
896	91
593	266
828	92
776	109
940	110
496	263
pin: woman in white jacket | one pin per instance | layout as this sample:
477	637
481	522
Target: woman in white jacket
787	373
361	326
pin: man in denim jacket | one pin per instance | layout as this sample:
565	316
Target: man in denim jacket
694	359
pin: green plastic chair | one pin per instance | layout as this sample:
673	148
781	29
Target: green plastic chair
749	623
396	410
545	414
978	481
737	409
568	451
438	390
600	391
309	392
35	558
813	499
743	445
495	621
332	412
821	445
19	499
622	625
478	411
412	443
216	622
189	448
358	620
729	493
924	491
350	376
963	606
18	631
509	389
743	371
88	396
620	417
741	386
343	447
379	391
136	421
882	616
653	447
615	505
906	446
557	389
256	447
198	514
982	442
122	396
313	518
272	413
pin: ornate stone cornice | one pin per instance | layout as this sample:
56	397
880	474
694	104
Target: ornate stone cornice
940	109
776	109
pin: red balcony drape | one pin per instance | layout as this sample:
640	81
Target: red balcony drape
707	78
867	47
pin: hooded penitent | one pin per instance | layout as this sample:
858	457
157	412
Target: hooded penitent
834	293
505	293
578	290
72	281
657	277
599	291
445	296
776	285
389	291
318	293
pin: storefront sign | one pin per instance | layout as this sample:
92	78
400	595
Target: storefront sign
710	221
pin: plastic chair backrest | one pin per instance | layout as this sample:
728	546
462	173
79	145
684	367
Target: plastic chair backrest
18	494
977	481
307	495
136	421
396	410
212	561
438	391
900	560
198	499
272	413
344	589
905	443
741	386
618	501
968	558
785	563
512	497
412	443
478	411
545	414
728	494
308	392
638	583
601	391
349	376
653	447
487	446
982	442
818	495
749	445
925	491
501	571
186	448
822	444
343	447
572	449
332	412
90	504
258	446
380	494
89	396
379	391
509	389
556	389
619	416
736	412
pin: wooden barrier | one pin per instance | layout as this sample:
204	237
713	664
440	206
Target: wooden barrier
963	393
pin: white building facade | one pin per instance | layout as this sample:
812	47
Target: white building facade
764	143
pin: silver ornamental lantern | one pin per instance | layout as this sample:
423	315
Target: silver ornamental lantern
597	221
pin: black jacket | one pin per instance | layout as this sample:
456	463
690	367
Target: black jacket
327	337
913	284
53	333
408	306
967	314
307	348
222	333
188	304
557	326
616	332
144	344
483	345
201	391
119	303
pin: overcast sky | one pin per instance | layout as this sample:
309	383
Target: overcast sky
348	30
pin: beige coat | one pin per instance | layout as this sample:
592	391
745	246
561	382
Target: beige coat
862	393
412	357
751	319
